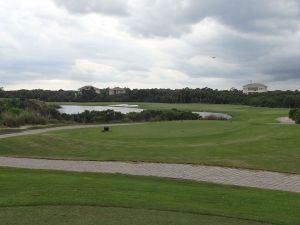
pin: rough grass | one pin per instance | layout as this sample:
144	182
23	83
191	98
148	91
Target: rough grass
44	197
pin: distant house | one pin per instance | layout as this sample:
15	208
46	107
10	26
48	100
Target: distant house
255	88
89	88
116	91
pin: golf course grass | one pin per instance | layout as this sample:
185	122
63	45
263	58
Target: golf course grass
91	215
47	197
251	141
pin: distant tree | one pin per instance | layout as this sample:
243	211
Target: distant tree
88	95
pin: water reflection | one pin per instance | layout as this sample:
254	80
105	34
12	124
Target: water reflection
75	109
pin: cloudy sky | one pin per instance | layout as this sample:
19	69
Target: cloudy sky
54	44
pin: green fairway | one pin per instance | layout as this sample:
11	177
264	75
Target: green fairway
269	147
42	197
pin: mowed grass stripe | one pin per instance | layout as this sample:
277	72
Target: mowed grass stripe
29	188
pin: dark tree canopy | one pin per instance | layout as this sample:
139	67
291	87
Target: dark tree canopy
282	99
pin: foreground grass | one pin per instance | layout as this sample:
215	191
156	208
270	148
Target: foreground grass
91	215
34	197
223	143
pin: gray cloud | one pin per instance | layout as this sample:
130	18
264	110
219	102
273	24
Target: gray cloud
112	7
282	68
166	18
150	43
174	18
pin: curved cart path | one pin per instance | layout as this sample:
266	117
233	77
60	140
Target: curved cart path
45	130
240	177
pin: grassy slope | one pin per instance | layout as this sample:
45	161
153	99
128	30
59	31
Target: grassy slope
68	193
247	142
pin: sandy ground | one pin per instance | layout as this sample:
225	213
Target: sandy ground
285	120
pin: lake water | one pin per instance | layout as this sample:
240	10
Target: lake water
125	105
75	109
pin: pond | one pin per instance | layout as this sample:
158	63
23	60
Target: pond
75	109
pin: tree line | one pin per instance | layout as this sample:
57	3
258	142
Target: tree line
279	99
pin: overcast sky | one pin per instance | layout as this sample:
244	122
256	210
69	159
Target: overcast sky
65	44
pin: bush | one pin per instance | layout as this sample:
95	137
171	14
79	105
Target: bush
17	112
297	117
146	115
95	116
294	114
12	120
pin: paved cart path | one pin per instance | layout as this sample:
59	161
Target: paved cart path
45	130
240	177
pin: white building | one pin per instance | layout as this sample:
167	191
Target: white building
255	88
117	91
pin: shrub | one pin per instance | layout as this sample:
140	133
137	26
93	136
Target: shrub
297	117
146	115
94	116
12	120
294	114
17	112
